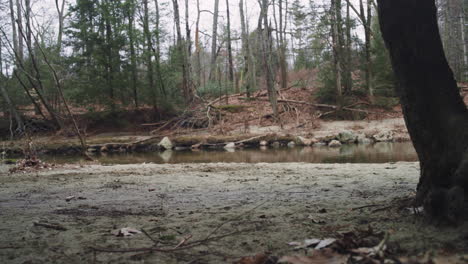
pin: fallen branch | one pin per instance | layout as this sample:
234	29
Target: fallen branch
51	226
167	250
365	206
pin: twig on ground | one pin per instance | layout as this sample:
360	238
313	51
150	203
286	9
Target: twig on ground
156	242
183	241
51	226
365	206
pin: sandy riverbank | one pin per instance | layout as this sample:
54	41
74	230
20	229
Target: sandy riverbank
265	205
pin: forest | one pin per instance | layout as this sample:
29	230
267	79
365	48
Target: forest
112	56
234	131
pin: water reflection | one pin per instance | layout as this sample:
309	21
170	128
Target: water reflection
375	153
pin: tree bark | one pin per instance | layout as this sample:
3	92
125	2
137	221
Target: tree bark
229	46
180	47
348	81
61	18
337	55
158	50
434	112
19	22
109	55
214	41
198	66
187	56
248	68
282	48
13	26
149	54
367	28
133	63
266	50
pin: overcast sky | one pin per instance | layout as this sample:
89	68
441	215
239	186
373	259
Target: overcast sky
47	9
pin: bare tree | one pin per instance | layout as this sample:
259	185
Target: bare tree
133	60
13	26
185	85
149	53
158	49
266	51
214	41
60	7
229	45
336	45
19	21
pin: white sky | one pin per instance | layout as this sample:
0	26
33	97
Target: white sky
45	12
251	8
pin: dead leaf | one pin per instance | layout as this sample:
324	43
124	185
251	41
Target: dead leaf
325	243
318	243
126	231
258	259
320	257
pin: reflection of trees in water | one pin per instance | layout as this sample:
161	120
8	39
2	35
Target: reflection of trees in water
352	153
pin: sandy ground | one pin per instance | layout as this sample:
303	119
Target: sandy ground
245	209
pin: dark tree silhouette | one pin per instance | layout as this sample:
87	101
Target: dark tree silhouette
434	112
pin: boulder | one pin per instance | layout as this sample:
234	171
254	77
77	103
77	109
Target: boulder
347	136
291	144
319	144
385	136
230	145
275	144
196	146
334	144
166	144
362	139
302	141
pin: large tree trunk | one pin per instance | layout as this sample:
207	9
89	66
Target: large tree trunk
337	54
133	61
266	50
229	46
282	48
214	41
149	54
434	112
182	52
367	33
13	26
61	17
162	87
19	22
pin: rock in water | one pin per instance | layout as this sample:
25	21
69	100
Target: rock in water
166	144
334	144
264	143
291	144
302	141
362	139
385	136
230	145
347	136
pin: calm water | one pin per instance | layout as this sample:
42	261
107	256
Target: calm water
376	153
